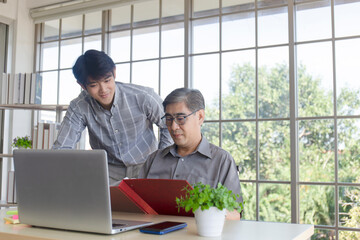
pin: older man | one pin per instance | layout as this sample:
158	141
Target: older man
191	157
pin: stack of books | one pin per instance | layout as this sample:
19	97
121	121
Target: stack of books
20	88
44	135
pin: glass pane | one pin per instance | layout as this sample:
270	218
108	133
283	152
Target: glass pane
172	40
146	74
146	13
51	30
120	46
70	51
275	203
315	79
238	31
172	75
317	205
49	83
69	88
50	56
123	73
173	9
347	77
210	130
120	17
248	191
71	26
273	74
316	151
92	42
239	139
238	85
206	35
272	3
237	5
346	235
146	43
274	150
349	210
206	79
93	22
273	26
349	150
313	21
203	8
346	14
324	234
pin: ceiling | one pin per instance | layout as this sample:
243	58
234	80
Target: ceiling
41	3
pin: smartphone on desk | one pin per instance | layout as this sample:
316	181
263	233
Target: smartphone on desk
163	227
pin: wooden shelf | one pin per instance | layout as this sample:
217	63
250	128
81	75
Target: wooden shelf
35	107
3	155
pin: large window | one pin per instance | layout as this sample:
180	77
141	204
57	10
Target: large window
280	81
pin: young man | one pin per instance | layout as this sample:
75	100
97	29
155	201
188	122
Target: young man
191	157
118	116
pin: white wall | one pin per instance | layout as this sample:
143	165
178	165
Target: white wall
15	13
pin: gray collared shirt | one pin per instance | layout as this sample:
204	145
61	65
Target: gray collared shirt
208	164
125	131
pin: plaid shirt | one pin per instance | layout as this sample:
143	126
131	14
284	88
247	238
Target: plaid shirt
125	132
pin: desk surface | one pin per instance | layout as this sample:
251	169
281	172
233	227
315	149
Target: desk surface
249	230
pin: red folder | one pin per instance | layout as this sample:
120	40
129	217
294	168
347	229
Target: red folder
152	196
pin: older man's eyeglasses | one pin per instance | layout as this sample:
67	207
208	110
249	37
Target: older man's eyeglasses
180	120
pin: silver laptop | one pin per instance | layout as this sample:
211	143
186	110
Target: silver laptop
66	189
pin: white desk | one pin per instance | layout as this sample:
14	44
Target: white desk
247	230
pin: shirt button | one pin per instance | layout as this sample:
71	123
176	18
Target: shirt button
176	175
182	159
116	130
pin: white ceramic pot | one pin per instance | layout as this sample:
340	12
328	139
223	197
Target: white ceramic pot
210	222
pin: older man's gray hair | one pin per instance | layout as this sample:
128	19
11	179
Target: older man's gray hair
192	98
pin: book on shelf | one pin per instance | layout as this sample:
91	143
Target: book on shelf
4	88
27	88
151	196
44	135
11	190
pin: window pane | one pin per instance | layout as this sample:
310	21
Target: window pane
92	42
273	74
248	191
120	46
146	43
172	8
317	205
315	79
69	88
51	30
316	151
275	203
206	79
70	51
237	5
238	85
349	210
93	22
349	150
203	8
346	14
313	21
172	40
273	26
322	234
238	31
274	150
71	26
172	75
210	130
206	35
146	13
146	74
120	17
239	139
49	87
123	73
347	77
345	235
50	56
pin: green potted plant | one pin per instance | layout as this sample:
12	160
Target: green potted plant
209	206
22	142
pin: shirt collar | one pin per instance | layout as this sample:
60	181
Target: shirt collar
203	148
